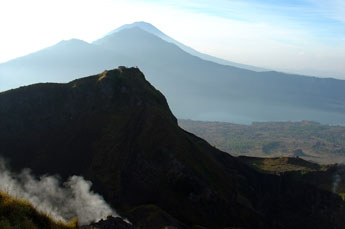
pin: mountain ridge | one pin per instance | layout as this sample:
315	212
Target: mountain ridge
231	94
116	130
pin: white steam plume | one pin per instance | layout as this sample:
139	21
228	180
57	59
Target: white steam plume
61	201
337	177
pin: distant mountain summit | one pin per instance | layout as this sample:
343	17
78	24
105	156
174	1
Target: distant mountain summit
142	25
153	30
117	130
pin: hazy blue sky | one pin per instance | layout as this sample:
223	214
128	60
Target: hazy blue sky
303	36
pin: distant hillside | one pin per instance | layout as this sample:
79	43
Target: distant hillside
279	165
116	130
195	88
308	140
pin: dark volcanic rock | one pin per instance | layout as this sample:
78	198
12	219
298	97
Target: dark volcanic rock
117	130
110	223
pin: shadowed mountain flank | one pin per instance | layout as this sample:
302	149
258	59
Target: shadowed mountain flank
116	130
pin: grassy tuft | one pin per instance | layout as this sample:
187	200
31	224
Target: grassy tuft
16	213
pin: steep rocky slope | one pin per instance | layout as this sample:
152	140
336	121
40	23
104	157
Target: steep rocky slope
117	130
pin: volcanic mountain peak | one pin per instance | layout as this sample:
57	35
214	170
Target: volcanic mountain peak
140	24
73	41
76	45
116	130
130	34
147	27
